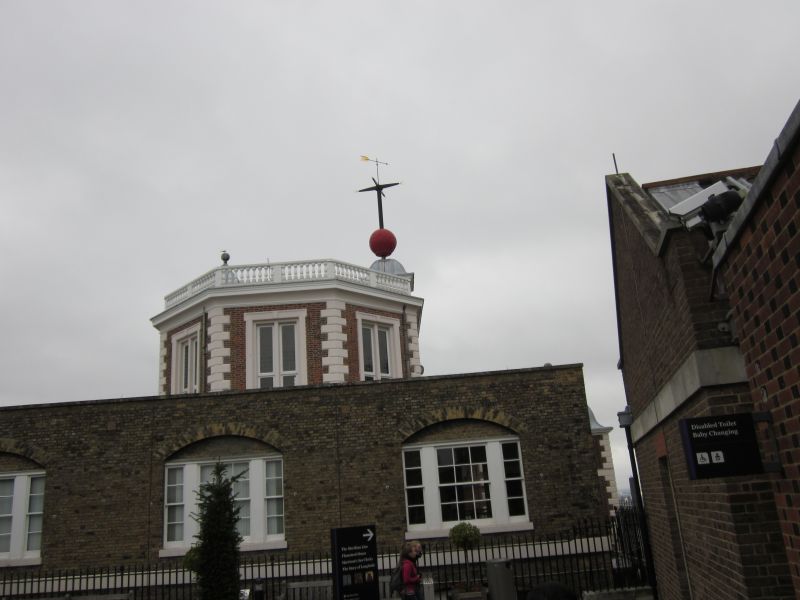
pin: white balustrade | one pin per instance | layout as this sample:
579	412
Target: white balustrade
281	273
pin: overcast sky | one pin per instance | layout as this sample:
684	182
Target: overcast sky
138	139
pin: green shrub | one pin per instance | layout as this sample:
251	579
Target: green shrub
465	536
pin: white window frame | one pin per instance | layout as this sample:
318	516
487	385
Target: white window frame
258	539
275	317
395	350
500	521
179	340
18	554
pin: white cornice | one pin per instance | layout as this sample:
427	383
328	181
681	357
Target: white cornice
288	293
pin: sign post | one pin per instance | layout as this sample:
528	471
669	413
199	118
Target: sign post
721	446
355	563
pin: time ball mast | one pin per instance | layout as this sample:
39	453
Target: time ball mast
382	241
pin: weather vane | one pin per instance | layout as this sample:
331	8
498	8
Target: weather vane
378	187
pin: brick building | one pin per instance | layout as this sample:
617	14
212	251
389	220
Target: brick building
286	324
306	377
706	278
605	461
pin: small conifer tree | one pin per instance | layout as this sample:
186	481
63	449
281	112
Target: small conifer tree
215	556
466	536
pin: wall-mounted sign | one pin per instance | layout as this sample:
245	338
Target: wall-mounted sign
721	446
355	563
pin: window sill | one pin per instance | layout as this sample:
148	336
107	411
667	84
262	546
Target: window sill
273	545
243	547
20	562
412	534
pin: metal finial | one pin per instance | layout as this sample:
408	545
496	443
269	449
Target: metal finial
225	258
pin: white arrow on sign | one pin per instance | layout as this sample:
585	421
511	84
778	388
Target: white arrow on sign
369	535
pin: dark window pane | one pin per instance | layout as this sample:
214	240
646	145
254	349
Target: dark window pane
416	515
185	365
288	380
464	492
413	476
383	351
478	454
287	347
484	510
482	492
265	349
516	507
366	341
412	458
444	456
446	475
514	488
265	383
449	512
512	468
461	456
466	510
463	473
510	450
480	472
415	496
447	494
196	364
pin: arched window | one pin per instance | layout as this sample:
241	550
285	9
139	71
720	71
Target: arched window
464	471
21	511
258	490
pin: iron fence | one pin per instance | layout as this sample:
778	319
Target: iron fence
591	555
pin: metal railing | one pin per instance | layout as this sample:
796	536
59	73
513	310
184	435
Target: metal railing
591	555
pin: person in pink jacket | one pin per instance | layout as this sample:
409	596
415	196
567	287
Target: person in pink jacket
411	578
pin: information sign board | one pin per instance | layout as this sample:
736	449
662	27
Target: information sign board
721	446
355	563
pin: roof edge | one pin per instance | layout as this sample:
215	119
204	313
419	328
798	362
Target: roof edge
777	154
718	175
289	390
642	214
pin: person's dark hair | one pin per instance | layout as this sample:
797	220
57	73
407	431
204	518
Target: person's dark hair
551	591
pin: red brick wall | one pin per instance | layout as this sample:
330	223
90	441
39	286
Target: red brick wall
351	329
664	307
716	534
719	535
238	358
761	273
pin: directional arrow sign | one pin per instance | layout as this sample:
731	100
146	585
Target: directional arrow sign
368	535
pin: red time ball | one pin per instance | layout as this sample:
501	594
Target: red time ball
382	242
